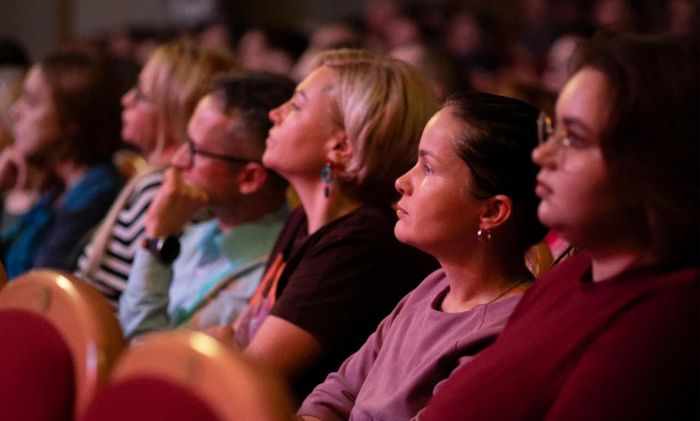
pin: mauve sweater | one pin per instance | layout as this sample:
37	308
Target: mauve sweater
412	352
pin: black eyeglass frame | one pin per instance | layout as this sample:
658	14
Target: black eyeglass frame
228	158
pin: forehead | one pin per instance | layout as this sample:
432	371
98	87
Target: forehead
586	97
208	118
35	81
440	133
318	81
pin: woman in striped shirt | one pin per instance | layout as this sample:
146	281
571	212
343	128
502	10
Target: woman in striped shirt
154	120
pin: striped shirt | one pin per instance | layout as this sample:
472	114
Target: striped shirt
127	235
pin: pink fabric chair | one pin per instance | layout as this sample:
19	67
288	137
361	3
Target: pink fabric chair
62	334
186	375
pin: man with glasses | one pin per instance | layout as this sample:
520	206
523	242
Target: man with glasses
211	269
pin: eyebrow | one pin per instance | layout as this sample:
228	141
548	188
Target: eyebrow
424	153
303	94
572	121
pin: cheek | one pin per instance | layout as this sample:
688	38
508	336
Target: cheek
36	131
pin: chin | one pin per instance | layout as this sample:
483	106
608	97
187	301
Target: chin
401	234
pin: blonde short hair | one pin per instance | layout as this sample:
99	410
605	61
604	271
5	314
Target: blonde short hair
383	104
183	73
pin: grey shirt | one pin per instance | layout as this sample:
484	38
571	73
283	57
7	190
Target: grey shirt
412	352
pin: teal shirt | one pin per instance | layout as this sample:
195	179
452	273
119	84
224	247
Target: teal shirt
160	296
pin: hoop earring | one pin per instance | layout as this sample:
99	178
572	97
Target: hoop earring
327	177
484	236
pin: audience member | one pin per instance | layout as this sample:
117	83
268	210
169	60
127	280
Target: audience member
470	202
154	120
219	168
611	333
66	121
349	131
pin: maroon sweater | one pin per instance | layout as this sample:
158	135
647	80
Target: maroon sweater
623	348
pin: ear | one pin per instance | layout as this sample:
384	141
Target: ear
339	149
497	210
252	178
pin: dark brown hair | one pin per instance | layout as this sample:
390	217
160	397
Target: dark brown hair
496	146
84	88
651	141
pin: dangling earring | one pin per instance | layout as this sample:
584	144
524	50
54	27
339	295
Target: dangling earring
484	236
327	177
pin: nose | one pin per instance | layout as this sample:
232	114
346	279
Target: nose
128	98
15	111
275	115
544	154
181	159
403	184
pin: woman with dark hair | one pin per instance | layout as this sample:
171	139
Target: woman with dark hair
67	121
470	202
613	332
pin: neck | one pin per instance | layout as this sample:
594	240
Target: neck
606	264
161	158
321	210
70	172
483	278
247	209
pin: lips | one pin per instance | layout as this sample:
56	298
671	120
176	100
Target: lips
400	212
542	189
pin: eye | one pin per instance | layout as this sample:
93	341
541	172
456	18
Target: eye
576	142
295	107
427	169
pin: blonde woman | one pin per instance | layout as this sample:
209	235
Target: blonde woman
351	128
154	119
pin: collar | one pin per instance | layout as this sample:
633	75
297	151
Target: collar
245	242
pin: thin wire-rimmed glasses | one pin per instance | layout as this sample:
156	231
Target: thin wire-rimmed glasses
228	158
546	129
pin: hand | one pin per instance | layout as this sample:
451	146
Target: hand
13	169
175	204
224	334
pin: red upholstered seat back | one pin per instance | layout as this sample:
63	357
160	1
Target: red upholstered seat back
147	399
36	369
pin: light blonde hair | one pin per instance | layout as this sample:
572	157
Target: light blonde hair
383	104
182	73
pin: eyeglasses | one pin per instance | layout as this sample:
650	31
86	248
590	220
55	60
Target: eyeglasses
547	129
139	96
228	158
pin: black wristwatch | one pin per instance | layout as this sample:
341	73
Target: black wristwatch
166	249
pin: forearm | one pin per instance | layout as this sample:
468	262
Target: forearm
144	304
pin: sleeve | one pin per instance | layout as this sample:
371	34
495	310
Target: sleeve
68	231
143	307
324	295
334	399
644	366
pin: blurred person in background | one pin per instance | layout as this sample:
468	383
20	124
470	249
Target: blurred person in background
66	121
154	120
326	37
14	64
437	67
270	50
204	274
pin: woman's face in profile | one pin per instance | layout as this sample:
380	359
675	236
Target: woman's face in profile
578	200
35	116
139	113
437	211
303	128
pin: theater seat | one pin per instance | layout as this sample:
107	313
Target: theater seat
58	341
187	375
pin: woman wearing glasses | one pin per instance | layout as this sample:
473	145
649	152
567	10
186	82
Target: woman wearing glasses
613	332
154	120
